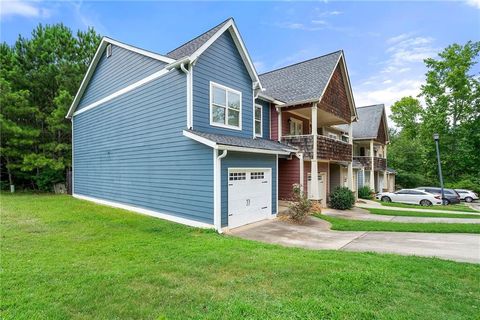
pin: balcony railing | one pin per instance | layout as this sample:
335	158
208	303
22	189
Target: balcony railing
379	164
327	148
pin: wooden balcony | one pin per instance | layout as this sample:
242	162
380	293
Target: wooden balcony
327	148
379	164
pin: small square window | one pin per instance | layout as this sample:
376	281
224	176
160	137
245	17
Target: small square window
234	176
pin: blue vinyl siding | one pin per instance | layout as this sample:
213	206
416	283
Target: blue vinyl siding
221	63
247	160
265	118
131	150
121	69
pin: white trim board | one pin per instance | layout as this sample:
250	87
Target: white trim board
96	58
120	92
147	212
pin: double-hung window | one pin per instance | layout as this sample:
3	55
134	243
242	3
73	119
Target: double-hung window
258	120
225	107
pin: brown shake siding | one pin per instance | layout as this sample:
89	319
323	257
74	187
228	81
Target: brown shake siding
382	135
335	99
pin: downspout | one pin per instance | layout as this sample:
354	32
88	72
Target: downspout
188	73
217	214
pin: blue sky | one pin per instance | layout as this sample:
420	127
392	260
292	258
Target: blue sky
384	42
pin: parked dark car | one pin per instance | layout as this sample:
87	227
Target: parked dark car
450	196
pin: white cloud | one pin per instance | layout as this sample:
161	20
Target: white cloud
88	17
298	56
24	9
400	74
473	3
259	66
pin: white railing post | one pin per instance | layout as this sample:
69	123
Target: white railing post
314	162
372	167
279	123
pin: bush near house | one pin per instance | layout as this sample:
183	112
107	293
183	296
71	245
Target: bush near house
342	198
301	206
365	193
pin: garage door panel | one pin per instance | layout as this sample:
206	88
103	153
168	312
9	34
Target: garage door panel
249	196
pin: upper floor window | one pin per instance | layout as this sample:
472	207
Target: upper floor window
296	127
225	107
258	120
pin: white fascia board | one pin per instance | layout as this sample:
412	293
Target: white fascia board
147	212
240	46
129	88
298	102
270	99
87	76
349	87
253	150
150	54
98	54
202	140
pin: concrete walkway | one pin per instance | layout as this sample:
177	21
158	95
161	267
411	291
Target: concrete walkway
369	204
362	214
316	234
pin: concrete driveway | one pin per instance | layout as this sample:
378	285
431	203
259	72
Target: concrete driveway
316	234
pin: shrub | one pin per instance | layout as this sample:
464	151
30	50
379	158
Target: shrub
470	183
342	198
365	193
301	206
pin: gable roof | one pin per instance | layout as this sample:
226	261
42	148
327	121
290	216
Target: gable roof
369	120
96	58
303	81
189	52
193	45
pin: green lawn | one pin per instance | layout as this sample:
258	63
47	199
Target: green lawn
63	258
387	212
450	207
363	225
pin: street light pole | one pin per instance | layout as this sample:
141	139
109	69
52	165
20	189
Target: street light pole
436	137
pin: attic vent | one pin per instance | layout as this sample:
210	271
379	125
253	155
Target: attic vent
109	50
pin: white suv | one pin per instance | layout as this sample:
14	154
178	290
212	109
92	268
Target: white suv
467	195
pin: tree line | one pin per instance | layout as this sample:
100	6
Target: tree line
39	77
451	108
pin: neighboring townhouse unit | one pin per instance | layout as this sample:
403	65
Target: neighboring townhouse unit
197	137
370	136
308	100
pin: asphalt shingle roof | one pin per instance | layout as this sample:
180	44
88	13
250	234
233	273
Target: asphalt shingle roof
257	143
368	122
191	46
302	81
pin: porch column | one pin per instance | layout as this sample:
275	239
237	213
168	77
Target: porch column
372	167
301	182
314	162
279	123
385	176
350	164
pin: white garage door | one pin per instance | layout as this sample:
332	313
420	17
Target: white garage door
249	196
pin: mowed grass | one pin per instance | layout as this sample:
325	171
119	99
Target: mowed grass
450	207
63	258
364	225
387	212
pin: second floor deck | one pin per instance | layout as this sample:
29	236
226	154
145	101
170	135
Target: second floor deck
379	164
327	148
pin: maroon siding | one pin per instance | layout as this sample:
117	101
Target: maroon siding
288	175
286	126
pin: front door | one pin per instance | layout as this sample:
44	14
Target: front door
322	190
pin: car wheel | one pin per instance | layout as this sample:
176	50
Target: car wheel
469	199
425	203
386	199
446	202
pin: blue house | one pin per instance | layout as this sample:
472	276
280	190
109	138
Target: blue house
193	137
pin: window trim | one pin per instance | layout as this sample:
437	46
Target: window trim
225	125
260	135
297	121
